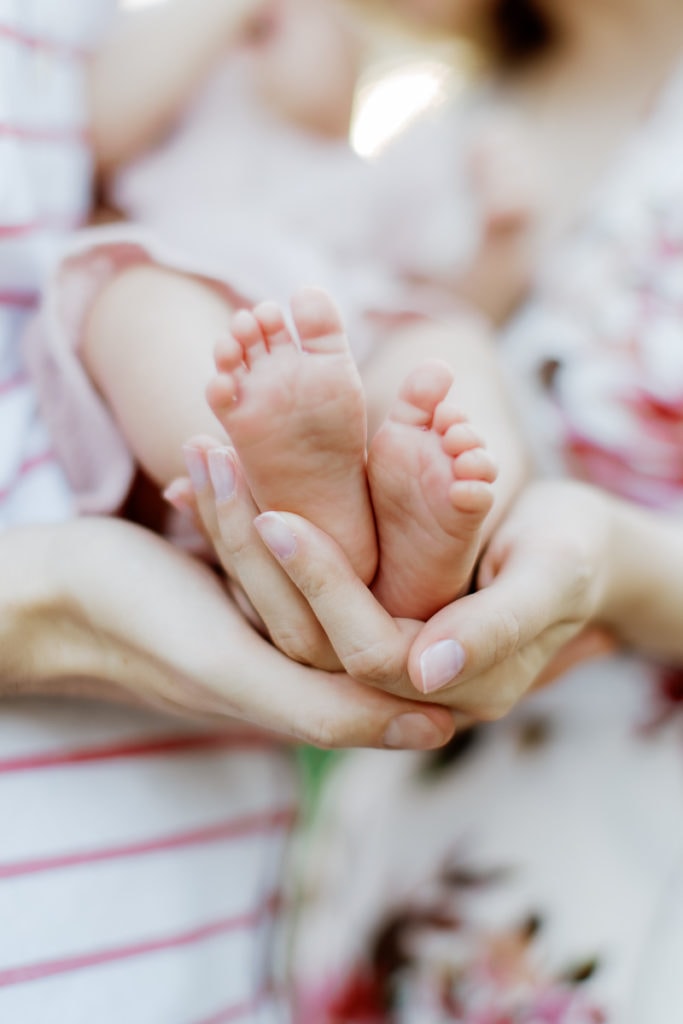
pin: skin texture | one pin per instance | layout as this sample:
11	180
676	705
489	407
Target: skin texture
525	627
521	643
428	473
103	609
567	557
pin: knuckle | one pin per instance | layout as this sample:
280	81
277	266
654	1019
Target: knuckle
493	697
317	588
493	712
297	644
233	541
321	734
507	635
375	665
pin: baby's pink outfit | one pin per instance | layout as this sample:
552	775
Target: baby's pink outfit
259	208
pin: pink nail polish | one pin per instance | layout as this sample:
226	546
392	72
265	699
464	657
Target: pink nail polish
276	535
222	473
440	664
194	460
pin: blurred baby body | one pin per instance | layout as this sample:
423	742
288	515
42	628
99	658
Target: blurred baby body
259	185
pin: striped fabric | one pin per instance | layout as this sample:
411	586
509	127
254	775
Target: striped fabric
139	860
44	179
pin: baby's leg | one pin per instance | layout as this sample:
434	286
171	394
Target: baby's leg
297	418
431	484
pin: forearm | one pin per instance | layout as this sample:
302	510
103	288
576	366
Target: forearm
643	600
150	66
148	347
480	391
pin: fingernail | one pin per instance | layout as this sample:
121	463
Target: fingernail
413	732
222	473
276	535
175	495
440	664
194	461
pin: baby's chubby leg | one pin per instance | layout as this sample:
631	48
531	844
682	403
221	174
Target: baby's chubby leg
297	419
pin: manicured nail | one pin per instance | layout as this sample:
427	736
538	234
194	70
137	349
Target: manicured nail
276	535
222	473
176	496
413	732
440	664
196	468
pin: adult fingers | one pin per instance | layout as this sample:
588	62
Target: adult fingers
331	710
226	510
491	695
592	642
530	596
370	644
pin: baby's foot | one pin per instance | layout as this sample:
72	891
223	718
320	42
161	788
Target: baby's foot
297	419
430	480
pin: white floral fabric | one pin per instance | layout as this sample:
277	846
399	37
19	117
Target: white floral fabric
532	872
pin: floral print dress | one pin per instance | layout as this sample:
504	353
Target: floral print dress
532	871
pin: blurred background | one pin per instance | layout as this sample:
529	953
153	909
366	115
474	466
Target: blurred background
402	79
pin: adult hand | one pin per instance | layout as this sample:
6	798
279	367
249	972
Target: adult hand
106	609
217	496
543	579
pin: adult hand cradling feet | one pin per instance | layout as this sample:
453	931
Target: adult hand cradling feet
548	573
135	641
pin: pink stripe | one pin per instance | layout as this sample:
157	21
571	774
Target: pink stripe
66	223
68	965
135	748
41	43
237	828
22	300
28	466
10	384
63	136
237	1012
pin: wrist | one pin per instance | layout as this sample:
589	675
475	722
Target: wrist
644	590
33	601
605	523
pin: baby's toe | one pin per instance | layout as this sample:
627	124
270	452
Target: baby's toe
228	354
420	394
222	393
471	498
273	325
475	464
461	437
247	331
318	322
448	415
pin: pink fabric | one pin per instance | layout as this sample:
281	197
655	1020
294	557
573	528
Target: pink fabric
89	441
